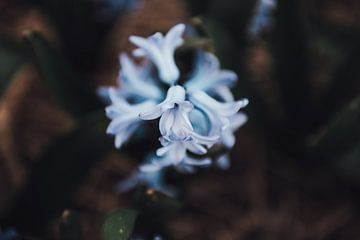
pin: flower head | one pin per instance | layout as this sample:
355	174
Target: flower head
192	117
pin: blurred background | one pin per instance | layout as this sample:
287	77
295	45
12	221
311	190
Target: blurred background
295	169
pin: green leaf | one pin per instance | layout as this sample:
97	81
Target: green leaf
349	166
12	57
340	135
68	88
119	224
69	226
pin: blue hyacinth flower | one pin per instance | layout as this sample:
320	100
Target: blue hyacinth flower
193	116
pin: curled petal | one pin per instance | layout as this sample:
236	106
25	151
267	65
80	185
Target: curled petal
197	162
124	117
195	148
236	121
207	140
136	82
160	50
207	75
175	95
226	109
152	114
166	122
223	117
224	93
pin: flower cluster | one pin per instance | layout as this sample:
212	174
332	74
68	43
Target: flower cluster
193	116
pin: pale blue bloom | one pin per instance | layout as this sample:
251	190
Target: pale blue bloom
193	117
160	50
124	117
262	18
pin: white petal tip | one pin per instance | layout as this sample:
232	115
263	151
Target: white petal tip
179	27
149	168
243	103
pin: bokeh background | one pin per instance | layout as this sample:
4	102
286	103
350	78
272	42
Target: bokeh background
295	169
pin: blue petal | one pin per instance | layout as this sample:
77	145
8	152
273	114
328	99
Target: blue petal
160	50
262	17
137	82
208	76
124	117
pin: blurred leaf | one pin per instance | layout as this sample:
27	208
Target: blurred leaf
58	173
12	57
70	227
192	43
340	135
58	76
345	83
119	225
349	166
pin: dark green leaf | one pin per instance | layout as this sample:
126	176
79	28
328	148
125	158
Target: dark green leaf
119	224
349	165
341	134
